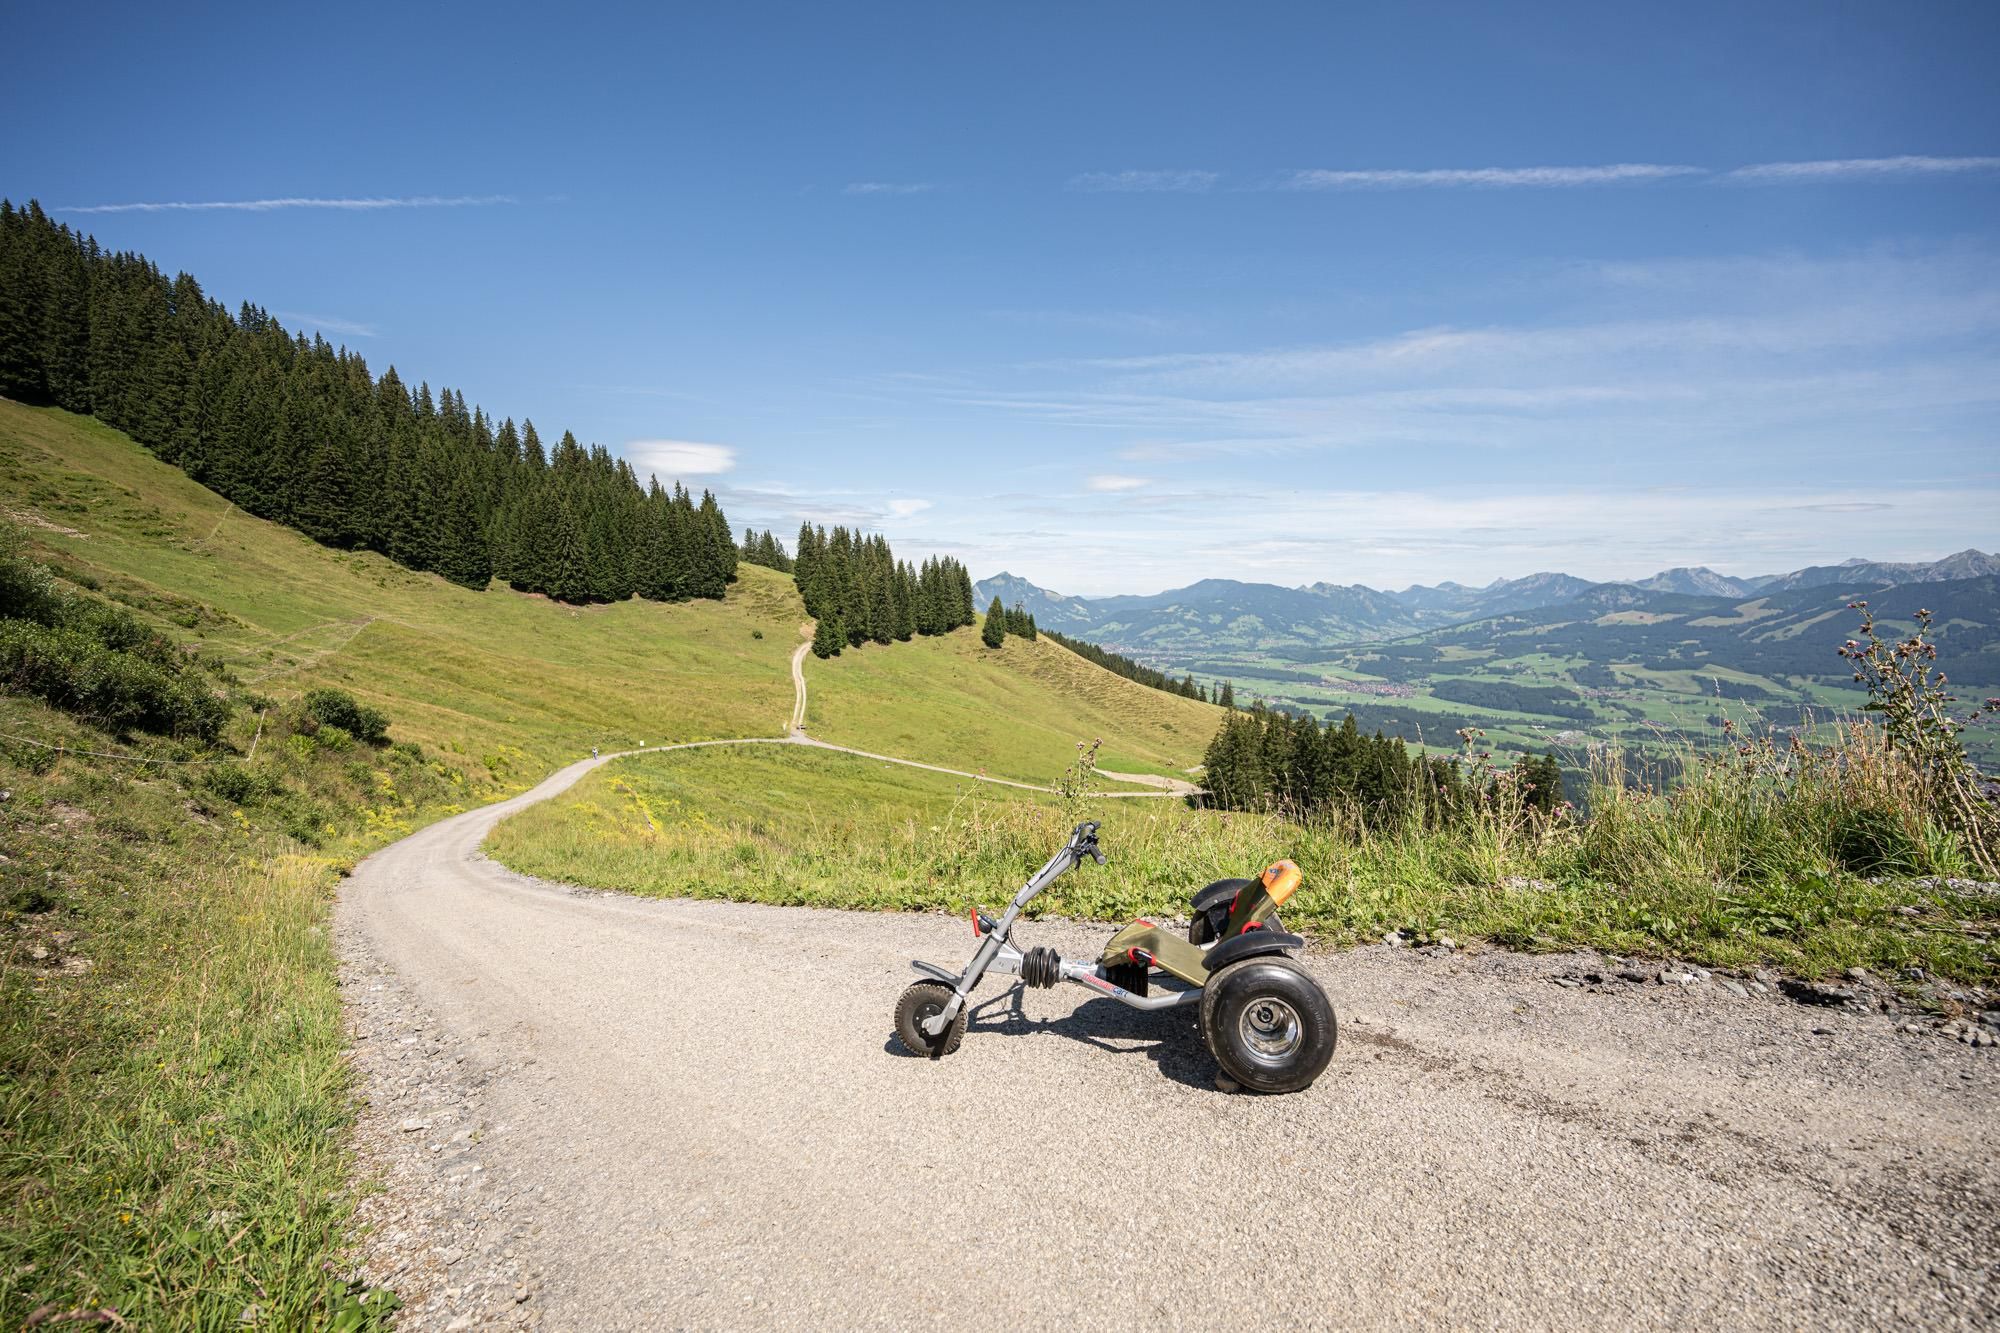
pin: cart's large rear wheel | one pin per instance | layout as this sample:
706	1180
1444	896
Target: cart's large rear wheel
927	999
1268	1024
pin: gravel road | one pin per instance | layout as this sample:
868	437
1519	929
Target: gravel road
595	1111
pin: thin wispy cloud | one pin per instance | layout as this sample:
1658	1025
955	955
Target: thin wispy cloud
888	187
783	506
1488	178
1143	182
364	204
327	324
680	458
1547	177
1111	482
1860	168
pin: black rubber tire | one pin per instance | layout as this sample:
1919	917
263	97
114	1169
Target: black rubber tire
921	1001
1201	930
1230	1004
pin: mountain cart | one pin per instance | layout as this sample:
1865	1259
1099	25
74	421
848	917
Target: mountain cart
1267	1022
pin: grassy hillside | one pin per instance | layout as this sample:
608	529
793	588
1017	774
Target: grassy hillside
469	672
1014	712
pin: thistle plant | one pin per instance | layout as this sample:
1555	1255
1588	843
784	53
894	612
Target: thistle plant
1074	786
1915	706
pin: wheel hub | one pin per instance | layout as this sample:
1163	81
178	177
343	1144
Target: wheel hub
1270	1028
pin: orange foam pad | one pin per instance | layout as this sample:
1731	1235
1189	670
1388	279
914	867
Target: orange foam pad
1281	880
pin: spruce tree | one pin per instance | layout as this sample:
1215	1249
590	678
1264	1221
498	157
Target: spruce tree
568	578
881	609
828	637
21	303
904	586
965	612
995	631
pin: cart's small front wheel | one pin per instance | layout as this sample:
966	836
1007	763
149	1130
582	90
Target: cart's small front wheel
927	999
1268	1024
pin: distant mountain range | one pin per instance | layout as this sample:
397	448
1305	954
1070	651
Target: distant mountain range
1224	615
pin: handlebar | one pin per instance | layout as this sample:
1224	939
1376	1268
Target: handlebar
1083	842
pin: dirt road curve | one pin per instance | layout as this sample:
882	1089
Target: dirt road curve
798	722
601	1112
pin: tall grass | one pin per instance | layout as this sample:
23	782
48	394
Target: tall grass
173	1093
1808	864
179	1158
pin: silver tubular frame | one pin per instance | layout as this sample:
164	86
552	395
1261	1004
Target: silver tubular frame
996	952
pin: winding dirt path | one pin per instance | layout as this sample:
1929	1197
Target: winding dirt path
797	725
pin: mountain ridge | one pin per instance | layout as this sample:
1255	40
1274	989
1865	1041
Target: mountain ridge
1210	613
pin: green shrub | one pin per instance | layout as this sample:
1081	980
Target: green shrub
88	657
234	782
74	670
303	819
27	590
338	708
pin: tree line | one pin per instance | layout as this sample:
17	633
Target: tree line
1265	760
1003	620
858	591
762	548
1120	665
301	433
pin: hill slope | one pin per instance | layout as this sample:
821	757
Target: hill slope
490	672
456	669
1013	712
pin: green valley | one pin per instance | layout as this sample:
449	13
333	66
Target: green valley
1645	669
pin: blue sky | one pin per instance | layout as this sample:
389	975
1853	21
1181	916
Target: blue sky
1121	296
